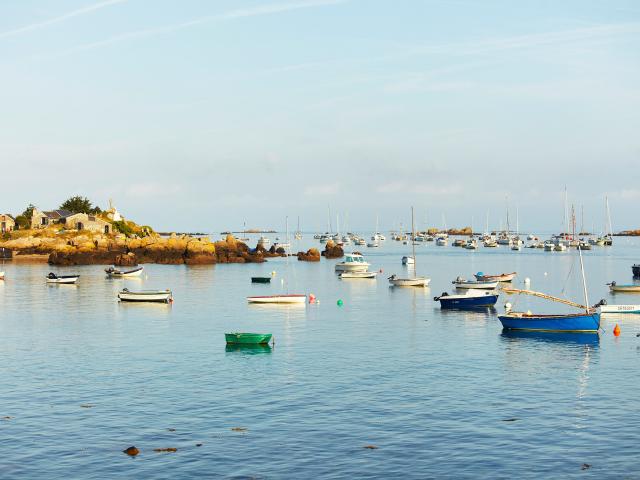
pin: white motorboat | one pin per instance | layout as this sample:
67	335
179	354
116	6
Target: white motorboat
264	242
471	245
155	296
62	279
407	260
358	275
373	244
620	309
490	243
441	241
475	284
353	262
295	298
284	245
549	246
113	272
361	242
560	247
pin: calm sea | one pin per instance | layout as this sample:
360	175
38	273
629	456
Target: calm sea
440	394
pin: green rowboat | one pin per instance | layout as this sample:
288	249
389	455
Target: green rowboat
260	279
247	338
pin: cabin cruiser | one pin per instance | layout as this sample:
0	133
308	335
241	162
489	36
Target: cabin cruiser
353	262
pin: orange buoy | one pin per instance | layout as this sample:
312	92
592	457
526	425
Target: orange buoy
616	330
312	298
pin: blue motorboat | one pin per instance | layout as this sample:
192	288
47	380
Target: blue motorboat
472	299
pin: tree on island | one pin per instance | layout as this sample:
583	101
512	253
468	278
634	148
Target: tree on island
79	204
23	220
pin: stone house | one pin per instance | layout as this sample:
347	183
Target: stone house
83	221
7	223
44	219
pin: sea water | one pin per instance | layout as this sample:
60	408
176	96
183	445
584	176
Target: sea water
431	393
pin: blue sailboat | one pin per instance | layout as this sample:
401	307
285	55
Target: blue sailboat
587	321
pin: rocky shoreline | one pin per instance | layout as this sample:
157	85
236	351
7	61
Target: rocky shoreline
81	248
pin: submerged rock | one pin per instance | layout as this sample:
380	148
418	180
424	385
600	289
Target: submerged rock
332	250
132	451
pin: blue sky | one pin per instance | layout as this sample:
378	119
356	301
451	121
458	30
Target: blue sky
201	115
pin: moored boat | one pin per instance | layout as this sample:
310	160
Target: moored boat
154	296
358	275
1	275
395	281
294	298
502	277
635	269
475	284
620	308
587	321
114	272
260	279
629	288
470	299
408	260
62	279
247	338
353	262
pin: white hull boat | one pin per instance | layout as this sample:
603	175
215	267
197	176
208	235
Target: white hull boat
406	260
278	299
477	285
620	309
62	279
633	288
409	282
373	245
155	296
503	277
114	272
441	241
353	262
358	274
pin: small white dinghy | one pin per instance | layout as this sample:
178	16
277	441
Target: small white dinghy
62	279
409	282
475	284
358	274
113	272
157	296
295	298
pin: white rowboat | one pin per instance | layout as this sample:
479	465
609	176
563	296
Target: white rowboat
114	272
462	283
278	299
358	274
157	296
62	279
409	282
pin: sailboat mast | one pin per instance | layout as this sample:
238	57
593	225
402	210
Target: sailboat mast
609	227
584	281
507	203
413	244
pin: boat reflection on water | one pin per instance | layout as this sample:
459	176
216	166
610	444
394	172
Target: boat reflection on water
575	338
248	349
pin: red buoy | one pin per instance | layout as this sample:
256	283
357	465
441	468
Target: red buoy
616	330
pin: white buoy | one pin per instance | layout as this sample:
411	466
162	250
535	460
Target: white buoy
527	281
273	274
508	307
545	274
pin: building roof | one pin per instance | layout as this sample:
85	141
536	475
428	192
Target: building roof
10	216
57	214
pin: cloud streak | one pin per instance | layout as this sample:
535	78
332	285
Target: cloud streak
59	19
230	15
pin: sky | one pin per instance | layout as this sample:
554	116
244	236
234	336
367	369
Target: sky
204	115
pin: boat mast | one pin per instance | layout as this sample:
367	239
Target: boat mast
584	282
413	244
609	228
566	212
507	203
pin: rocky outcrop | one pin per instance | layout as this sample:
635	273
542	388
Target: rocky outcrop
72	248
331	250
312	255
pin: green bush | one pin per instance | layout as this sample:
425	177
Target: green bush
122	227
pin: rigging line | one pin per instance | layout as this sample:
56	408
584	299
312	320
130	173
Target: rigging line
566	281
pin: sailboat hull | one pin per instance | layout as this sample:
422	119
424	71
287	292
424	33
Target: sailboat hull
551	323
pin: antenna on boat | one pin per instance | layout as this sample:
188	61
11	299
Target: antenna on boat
584	281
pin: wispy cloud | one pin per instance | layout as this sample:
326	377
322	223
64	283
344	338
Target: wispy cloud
60	18
230	15
418	188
